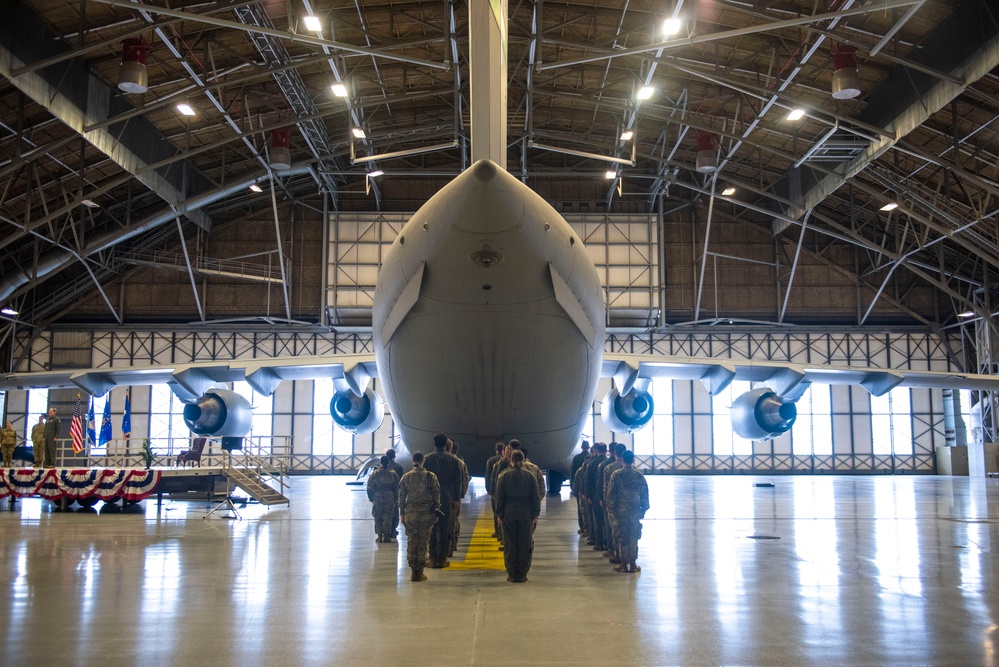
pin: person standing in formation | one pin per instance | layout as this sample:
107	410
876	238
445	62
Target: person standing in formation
419	507
577	461
628	501
383	490
448	471
519	505
397	469
53	425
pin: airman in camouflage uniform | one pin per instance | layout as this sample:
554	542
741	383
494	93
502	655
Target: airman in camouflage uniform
532	468
8	440
419	497
590	485
383	490
628	500
577	461
610	532
38	441
397	469
448	470
490	489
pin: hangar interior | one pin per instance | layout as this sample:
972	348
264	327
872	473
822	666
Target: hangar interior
754	180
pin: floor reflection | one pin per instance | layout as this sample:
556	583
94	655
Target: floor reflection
862	570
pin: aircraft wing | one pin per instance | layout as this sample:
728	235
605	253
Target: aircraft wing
787	380
189	381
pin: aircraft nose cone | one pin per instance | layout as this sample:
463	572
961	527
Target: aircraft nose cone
484	170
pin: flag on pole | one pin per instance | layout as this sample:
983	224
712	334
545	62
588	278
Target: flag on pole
106	435
126	420
91	430
76	427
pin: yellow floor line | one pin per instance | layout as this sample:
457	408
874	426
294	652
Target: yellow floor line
483	550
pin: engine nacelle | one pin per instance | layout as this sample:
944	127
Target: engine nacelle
624	414
357	414
219	412
761	414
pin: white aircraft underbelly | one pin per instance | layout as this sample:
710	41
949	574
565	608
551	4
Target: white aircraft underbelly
482	346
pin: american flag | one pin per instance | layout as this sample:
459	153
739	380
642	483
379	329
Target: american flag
76	427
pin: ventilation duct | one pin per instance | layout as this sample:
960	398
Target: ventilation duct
707	152
846	78
280	155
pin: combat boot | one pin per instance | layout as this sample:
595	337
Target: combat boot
418	575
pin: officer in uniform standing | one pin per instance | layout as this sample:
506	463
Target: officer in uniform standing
8	440
577	461
519	505
397	469
53	425
419	504
628	498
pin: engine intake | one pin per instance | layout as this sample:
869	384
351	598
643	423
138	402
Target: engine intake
219	412
761	414
624	414
357	414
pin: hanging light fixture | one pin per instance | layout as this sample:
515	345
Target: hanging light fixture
132	76
280	153
846	78
707	152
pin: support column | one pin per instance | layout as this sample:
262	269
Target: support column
487	78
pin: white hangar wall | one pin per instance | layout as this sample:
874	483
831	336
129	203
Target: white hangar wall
842	429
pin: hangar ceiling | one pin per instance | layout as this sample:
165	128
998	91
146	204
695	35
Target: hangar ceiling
91	175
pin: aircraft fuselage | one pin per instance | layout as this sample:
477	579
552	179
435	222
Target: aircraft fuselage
489	322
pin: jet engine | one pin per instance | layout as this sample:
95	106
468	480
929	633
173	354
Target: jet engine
761	414
357	414
624	414
219	412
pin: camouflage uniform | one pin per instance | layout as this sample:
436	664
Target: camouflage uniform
38	443
8	440
383	489
397	469
579	481
589	491
628	499
538	476
518	504
490	487
498	469
603	537
419	496
448	471
610	532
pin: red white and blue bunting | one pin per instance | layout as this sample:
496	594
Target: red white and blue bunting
74	483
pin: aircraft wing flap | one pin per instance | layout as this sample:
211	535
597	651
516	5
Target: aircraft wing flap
788	379
190	381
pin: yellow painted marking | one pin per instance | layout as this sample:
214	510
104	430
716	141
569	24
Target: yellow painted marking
483	549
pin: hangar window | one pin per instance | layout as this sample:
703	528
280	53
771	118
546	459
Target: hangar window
261	428
38	404
657	437
891	423
812	430
167	431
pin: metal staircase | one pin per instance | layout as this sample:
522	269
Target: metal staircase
253	472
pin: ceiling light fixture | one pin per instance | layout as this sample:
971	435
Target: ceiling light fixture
256	188
796	114
672	26
312	23
728	192
185	109
645	92
339	90
890	206
967	313
610	174
7	310
90	203
627	135
375	173
358	132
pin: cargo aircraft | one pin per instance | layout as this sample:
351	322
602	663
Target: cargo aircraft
488	324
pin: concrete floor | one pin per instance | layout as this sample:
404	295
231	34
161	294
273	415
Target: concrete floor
867	571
